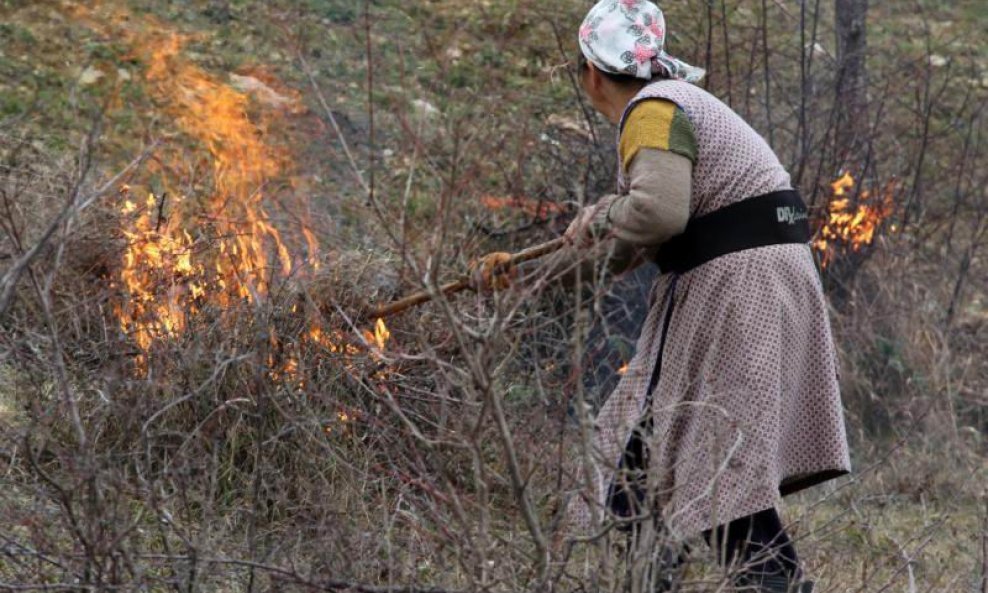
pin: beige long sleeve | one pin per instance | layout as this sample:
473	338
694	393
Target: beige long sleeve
655	209
657	205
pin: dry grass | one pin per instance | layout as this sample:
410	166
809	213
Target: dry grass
440	461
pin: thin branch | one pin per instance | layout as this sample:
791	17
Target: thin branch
74	206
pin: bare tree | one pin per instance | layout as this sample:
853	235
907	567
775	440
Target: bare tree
851	18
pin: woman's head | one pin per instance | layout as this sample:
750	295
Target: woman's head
623	42
608	92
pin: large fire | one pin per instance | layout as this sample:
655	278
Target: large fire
206	240
241	251
850	227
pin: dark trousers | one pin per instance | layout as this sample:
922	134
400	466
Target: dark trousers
757	544
756	549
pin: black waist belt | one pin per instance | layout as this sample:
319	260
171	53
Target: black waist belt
772	219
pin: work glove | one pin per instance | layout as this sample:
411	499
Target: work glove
492	272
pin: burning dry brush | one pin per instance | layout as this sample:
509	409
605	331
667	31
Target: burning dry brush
214	453
271	432
244	430
261	419
244	424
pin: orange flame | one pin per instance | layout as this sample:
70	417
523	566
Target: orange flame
380	336
183	255
245	250
340	422
163	281
848	227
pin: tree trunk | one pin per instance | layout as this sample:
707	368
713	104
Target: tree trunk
852	80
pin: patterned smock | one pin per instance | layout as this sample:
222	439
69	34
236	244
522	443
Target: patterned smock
747	406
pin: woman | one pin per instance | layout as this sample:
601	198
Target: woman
731	400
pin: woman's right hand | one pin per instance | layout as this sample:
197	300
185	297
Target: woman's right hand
492	272
586	227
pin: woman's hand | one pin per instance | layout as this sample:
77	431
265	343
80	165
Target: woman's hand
492	272
581	232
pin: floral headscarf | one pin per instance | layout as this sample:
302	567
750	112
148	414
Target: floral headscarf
628	37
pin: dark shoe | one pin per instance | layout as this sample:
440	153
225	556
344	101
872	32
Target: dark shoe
756	583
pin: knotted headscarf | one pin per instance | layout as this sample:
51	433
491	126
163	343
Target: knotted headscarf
628	37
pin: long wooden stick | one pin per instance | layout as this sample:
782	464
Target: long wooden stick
463	283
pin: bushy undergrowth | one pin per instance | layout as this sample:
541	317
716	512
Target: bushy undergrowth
245	454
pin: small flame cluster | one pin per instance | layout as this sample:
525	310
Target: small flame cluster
335	341
380	336
850	227
164	283
342	422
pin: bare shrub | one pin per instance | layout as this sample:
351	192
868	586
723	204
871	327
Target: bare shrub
250	453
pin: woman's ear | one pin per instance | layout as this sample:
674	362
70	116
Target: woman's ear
593	77
593	84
